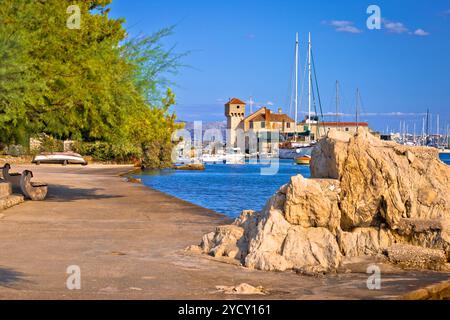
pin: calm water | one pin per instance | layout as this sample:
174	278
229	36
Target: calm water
445	157
227	189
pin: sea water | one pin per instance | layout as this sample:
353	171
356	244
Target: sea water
227	189
445	157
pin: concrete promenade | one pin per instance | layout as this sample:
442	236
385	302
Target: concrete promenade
129	241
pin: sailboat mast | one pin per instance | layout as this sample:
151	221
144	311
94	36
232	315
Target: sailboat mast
446	138
357	109
337	104
423	130
296	84
309	84
427	126
437	126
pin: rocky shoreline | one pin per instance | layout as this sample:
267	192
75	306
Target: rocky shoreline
366	198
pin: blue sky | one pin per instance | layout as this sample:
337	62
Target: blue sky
243	48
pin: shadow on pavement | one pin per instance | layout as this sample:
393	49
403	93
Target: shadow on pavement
9	277
63	193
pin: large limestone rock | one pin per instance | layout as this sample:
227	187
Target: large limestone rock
366	197
384	181
313	203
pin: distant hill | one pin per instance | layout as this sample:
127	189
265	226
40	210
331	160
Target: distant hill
206	125
189	125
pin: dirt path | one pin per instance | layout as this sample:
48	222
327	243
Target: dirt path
128	241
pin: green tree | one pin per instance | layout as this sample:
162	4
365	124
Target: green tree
91	84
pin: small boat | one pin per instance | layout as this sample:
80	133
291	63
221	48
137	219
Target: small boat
184	160
63	158
303	160
213	158
235	157
295	151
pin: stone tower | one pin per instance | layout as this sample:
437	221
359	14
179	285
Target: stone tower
235	113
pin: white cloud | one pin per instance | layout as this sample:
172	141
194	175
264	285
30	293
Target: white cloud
340	23
376	114
392	114
395	27
344	26
446	12
421	33
400	28
270	103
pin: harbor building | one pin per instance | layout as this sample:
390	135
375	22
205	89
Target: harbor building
261	122
235	114
320	129
264	121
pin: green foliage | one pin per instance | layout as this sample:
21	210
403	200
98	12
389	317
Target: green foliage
92	84
48	144
153	62
100	151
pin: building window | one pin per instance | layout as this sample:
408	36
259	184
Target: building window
263	124
347	129
288	125
251	124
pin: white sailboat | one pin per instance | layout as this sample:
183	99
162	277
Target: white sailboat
294	149
213	158
235	156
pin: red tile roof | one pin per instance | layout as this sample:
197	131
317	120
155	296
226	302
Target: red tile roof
260	115
259	118
277	117
235	101
344	124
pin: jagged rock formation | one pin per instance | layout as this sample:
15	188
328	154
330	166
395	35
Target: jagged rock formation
365	197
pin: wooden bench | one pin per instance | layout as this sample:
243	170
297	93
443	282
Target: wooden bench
35	191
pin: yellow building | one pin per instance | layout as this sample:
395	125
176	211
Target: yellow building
261	121
235	114
320	129
265	120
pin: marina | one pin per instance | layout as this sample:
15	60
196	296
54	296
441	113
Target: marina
224	151
227	189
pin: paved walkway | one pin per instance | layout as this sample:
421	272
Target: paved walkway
128	241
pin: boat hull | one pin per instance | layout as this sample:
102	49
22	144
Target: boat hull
59	159
304	160
234	159
294	152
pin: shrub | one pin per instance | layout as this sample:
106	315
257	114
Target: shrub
102	151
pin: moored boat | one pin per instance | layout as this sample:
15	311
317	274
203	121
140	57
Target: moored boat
294	150
235	156
63	158
213	158
303	160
